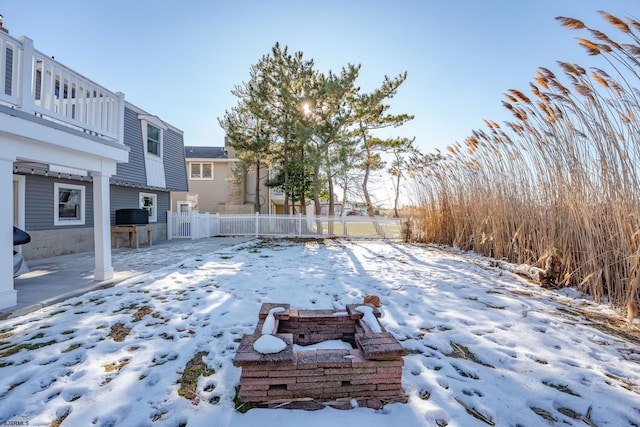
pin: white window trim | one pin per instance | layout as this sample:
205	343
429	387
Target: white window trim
157	123
201	169
56	202
154	217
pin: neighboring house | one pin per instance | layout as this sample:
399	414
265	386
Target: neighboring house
58	207
214	188
64	146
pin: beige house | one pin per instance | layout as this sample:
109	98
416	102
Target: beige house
213	187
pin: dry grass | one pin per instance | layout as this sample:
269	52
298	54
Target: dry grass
559	186
192	372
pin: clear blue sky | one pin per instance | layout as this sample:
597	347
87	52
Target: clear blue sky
180	59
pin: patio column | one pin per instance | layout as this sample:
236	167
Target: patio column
102	226
8	295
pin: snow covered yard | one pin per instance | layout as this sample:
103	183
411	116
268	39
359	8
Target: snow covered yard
484	347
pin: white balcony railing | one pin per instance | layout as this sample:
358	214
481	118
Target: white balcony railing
35	83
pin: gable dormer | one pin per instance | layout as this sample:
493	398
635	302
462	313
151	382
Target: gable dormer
153	130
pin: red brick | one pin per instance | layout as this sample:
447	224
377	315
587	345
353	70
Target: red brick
297	373
306	359
269	381
354	388
365	363
351	371
333	358
374	379
391	386
324	378
257	373
254	387
390	370
307	386
247	394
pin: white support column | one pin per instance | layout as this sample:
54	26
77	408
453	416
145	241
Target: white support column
102	226
8	295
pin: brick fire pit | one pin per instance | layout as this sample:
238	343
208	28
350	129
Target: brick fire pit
370	372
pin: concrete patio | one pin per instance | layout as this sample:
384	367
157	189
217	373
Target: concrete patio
55	279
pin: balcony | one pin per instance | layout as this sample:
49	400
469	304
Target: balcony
38	85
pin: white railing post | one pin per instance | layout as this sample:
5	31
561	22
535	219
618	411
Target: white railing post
384	229
169	225
193	228
26	79
218	227
207	228
257	224
119	126
299	224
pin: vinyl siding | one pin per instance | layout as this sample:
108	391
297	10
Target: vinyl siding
175	168
39	197
134	171
127	197
39	202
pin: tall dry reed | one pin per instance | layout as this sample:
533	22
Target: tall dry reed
559	186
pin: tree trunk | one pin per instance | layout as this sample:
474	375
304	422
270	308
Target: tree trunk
395	202
365	190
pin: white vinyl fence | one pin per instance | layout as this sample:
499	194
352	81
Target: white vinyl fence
195	225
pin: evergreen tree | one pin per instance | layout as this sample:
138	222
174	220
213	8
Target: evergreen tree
370	115
328	117
248	124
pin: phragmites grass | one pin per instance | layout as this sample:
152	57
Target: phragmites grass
574	24
558	187
617	22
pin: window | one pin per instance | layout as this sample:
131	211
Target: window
149	202
201	170
69	204
153	140
152	135
184	207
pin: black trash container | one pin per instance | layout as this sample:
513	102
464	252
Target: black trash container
132	217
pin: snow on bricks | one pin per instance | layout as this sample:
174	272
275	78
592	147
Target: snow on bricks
370	371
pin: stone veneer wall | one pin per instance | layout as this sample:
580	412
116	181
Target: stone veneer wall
372	370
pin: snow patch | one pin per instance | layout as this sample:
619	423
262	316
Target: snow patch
269	344
270	321
369	318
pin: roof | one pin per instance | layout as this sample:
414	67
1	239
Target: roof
205	152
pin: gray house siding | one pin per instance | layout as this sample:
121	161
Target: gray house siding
175	167
48	239
134	171
39	197
127	197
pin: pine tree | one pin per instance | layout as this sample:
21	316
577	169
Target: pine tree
370	115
